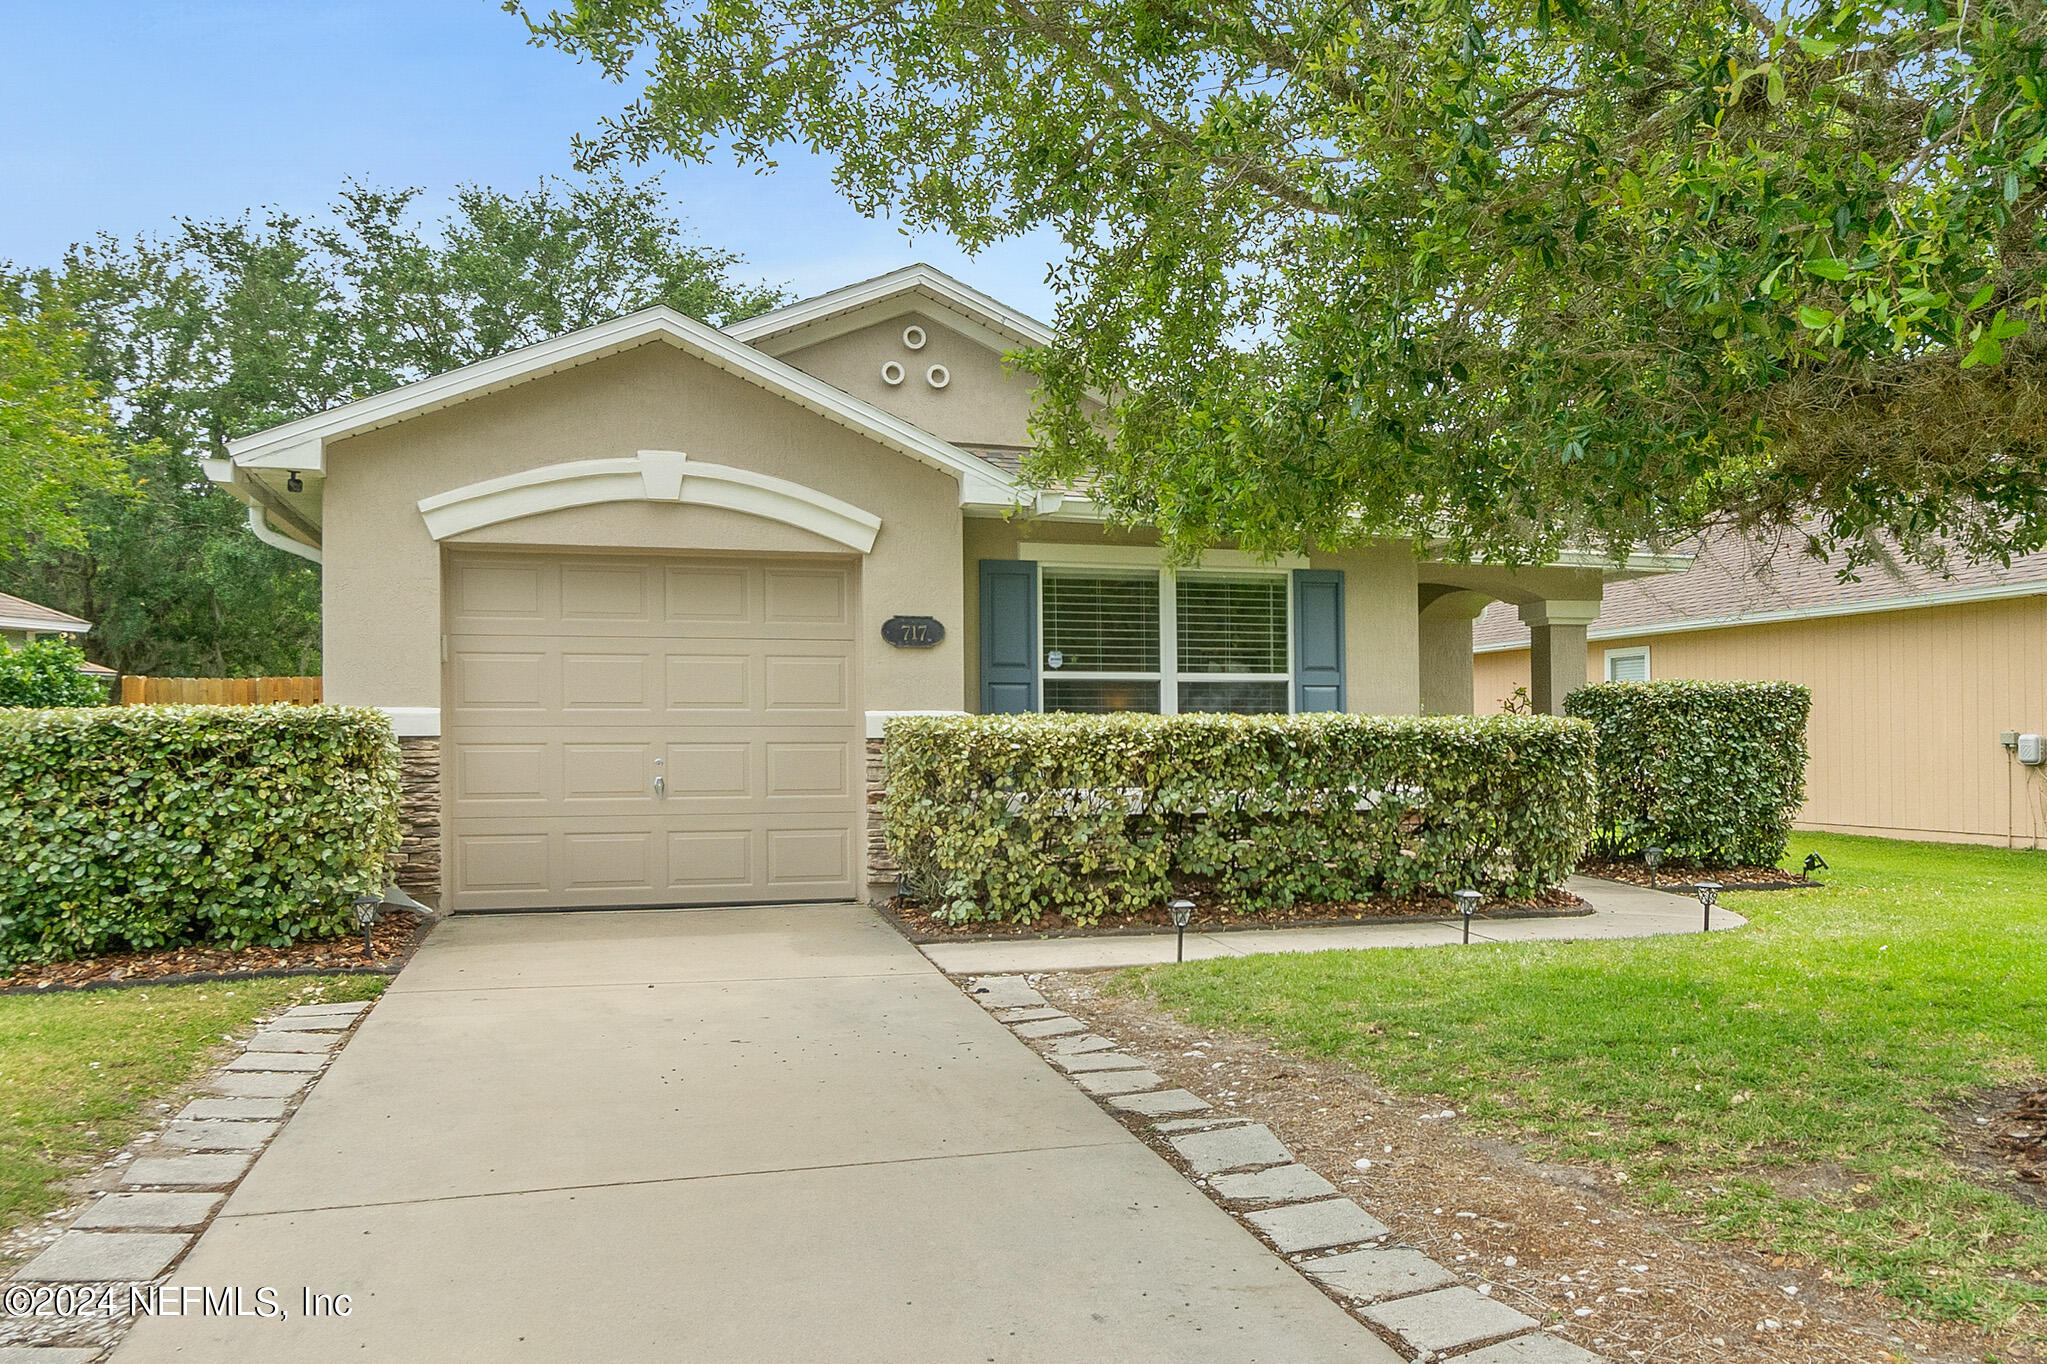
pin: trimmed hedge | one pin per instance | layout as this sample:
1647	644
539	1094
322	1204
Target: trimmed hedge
1714	772
141	827
1006	817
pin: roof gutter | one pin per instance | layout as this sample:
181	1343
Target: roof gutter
260	524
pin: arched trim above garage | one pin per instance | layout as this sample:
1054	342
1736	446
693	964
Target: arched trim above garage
649	476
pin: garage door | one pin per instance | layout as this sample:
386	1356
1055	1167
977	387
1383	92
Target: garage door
648	732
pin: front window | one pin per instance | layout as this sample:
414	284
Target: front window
1155	641
1101	645
1627	665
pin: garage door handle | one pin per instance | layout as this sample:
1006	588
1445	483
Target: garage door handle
660	788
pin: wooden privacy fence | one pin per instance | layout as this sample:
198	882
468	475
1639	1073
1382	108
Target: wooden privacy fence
219	691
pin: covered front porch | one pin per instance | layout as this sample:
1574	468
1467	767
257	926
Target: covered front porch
1063	616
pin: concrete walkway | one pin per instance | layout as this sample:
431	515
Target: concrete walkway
1619	910
743	1135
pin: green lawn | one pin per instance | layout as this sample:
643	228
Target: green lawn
1825	1038
80	1073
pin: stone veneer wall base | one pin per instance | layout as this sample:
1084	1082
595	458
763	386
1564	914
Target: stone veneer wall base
416	866
882	870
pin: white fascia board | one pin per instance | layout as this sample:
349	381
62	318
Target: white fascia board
941	287
991	500
1148	556
70	626
1959	597
1638	564
301	445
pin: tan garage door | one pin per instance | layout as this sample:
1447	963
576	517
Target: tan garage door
578	688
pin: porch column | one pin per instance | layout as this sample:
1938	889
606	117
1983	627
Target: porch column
1446	667
1556	650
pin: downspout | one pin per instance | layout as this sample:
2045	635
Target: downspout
259	524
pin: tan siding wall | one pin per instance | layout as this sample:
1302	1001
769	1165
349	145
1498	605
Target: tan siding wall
1907	707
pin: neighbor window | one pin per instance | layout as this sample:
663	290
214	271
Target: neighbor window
1627	665
1156	641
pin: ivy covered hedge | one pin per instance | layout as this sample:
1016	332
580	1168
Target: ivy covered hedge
139	827
1006	817
1713	772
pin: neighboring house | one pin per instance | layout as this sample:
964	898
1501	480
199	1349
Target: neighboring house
22	621
1916	678
648	592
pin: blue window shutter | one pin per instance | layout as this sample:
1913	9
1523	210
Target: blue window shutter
1009	636
1318	639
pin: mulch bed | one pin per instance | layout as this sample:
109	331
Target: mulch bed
914	920
396	935
1685	880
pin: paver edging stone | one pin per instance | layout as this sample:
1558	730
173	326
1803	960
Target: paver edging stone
137	1232
1449	1318
1423	1308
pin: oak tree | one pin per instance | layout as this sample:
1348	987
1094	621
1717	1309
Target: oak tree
1496	273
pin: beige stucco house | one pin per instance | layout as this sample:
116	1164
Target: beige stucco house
647	592
1922	683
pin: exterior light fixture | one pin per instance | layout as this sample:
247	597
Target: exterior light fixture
1814	862
367	907
1709	895
294	484
1467	905
1652	858
1182	911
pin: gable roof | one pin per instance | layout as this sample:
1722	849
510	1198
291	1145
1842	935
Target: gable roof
19	613
1735	581
301	445
818	318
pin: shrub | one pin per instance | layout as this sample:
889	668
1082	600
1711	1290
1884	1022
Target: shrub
46	672
1714	772
1006	817
156	826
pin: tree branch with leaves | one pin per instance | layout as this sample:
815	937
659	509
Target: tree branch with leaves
1492	274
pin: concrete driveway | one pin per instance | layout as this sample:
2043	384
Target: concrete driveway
728	1135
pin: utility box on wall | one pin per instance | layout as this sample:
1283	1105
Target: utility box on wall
2032	749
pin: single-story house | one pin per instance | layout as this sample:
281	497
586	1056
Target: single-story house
647	592
1921	682
23	621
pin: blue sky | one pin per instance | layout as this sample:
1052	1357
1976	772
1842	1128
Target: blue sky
123	115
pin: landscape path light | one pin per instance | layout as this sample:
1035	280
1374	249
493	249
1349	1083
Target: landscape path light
1467	905
367	908
1709	895
1182	911
1652	858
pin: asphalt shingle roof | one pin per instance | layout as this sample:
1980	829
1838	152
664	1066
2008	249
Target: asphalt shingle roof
1732	578
22	609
